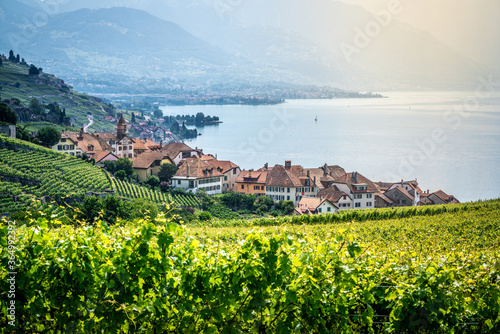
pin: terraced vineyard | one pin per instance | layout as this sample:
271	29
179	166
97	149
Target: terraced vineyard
131	191
29	171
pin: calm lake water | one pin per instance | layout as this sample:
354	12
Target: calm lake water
447	140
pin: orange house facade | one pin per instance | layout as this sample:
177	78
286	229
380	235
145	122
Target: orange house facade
252	182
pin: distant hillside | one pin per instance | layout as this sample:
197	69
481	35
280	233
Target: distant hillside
16	83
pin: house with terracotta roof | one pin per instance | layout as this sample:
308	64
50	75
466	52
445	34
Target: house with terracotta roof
289	183
400	197
195	174
360	188
252	182
313	206
101	156
382	201
180	151
66	145
342	200
149	163
440	197
326	175
85	142
230	172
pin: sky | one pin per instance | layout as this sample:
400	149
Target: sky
469	26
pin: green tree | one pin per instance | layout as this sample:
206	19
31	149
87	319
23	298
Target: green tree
1	62
200	117
12	58
158	114
153	181
133	118
121	175
205	216
49	136
33	70
90	208
167	171
36	106
7	115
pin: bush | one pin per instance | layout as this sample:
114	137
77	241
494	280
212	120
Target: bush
205	216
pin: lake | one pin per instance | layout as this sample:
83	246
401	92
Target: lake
446	140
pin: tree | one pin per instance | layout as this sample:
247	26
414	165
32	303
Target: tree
1	62
90	208
121	175
167	171
205	216
18	58
153	181
200	117
158	113
12	58
33	70
133	118
49	136
7	115
36	106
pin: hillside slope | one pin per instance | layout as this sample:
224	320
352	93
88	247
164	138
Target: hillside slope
15	82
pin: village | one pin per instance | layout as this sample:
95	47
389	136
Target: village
325	189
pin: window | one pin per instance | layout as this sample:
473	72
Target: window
369	204
130	147
225	177
242	186
319	210
234	171
358	196
369	195
357	205
63	140
287	190
256	187
72	147
59	147
288	198
178	181
328	209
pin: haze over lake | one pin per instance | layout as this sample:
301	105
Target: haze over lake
436	137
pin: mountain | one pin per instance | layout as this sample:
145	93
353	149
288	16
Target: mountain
246	42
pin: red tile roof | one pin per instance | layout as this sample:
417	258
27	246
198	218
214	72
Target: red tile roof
146	159
252	176
294	176
351	179
194	167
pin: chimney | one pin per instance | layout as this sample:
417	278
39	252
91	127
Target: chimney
187	170
355	177
308	173
314	180
81	134
325	169
402	183
288	164
266	166
161	144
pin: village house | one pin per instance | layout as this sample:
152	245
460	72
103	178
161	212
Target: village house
313	206
342	200
67	145
440	197
252	182
195	174
400	197
230	170
325	176
84	143
360	188
149	163
101	156
180	151
404	193
289	183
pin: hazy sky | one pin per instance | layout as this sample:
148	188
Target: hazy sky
469	26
